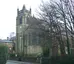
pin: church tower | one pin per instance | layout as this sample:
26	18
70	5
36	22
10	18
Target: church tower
21	24
27	32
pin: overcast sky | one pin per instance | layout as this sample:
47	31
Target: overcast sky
8	13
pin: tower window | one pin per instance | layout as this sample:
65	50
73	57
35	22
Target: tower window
21	20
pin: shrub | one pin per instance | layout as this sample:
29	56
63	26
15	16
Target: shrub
12	55
3	54
45	51
45	56
67	59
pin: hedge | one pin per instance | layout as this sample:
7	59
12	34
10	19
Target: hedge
3	54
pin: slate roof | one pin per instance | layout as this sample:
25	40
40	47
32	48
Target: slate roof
5	41
33	20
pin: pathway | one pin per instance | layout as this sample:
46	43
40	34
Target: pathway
18	62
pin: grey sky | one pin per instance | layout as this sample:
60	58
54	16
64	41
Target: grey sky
8	13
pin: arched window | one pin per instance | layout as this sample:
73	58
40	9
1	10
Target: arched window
35	39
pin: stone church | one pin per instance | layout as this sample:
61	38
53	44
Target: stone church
28	33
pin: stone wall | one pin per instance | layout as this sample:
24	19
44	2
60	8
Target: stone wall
34	49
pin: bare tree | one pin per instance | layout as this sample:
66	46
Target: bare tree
54	13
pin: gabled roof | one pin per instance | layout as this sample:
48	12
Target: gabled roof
33	21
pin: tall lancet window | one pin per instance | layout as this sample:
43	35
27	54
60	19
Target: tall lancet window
20	20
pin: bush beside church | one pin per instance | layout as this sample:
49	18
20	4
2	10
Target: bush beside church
3	54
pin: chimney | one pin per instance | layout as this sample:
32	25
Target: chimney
7	38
